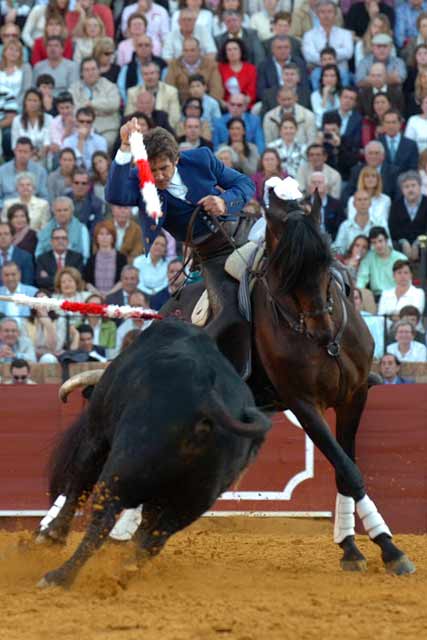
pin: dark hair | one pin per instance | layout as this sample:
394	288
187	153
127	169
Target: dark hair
19	363
64	97
80	171
18	206
315	145
55	39
140	115
246	149
45	78
282	15
222	56
399	264
188	102
67	150
351	247
353	90
391	355
87	111
24	116
393	112
55	229
328	50
197	77
24	140
409	310
220	8
160	142
276	154
331	117
85	328
329	67
88	59
99	154
375	232
288	117
137	16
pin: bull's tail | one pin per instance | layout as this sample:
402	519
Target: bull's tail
252	423
76	461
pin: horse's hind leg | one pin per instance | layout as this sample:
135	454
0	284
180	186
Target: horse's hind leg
56	530
395	560
105	508
347	423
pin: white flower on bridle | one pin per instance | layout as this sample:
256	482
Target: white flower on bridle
286	189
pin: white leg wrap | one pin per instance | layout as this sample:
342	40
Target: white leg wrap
53	512
127	524
373	521
344	518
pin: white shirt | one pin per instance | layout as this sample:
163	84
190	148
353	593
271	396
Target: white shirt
316	39
389	304
176	187
416	130
347	232
378	211
416	353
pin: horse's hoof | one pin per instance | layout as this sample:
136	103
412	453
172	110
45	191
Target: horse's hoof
403	566
47	538
44	584
354	565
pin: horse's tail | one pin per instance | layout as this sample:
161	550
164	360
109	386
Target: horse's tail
76	461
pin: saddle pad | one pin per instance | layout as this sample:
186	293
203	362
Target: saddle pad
200	313
237	262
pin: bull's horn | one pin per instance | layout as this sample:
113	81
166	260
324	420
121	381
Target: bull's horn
83	379
254	424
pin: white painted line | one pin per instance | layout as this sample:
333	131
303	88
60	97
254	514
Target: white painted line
217	514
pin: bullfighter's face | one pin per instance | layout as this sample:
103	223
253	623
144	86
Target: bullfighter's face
162	169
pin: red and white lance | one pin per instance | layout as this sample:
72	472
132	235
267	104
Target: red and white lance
146	180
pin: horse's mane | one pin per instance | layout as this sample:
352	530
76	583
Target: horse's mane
302	253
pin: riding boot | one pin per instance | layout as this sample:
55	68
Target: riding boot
230	330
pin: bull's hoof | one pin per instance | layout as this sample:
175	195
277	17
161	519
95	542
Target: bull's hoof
403	566
354	565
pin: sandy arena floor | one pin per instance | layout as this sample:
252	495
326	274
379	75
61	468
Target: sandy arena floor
234	578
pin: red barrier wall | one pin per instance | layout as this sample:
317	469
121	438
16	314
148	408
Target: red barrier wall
289	475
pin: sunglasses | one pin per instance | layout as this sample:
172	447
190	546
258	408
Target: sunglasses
80	182
20	378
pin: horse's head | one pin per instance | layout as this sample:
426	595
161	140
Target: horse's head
298	254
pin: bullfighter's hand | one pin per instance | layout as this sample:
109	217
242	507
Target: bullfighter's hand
213	205
125	132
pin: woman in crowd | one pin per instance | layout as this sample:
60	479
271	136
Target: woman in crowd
416	129
326	98
101	162
372	127
38	16
104	330
355	254
374	323
218	26
38	208
15	74
102	272
238	76
92	29
403	294
41	327
406	348
363	47
156	24
291	153
34	123
69	285
204	17
104	52
136	27
193	108
23	236
153	267
59	181
370	180
247	152
55	26
269	166
415	95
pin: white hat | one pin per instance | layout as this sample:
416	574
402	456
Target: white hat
286	189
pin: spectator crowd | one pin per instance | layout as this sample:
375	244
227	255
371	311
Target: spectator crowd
331	93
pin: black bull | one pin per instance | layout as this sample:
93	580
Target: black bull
170	425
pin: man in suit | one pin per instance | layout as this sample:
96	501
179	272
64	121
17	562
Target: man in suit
400	152
332	212
184	181
237	108
288	104
389	369
375	158
88	208
341	154
376	82
408	215
233	24
129	279
11	277
48	263
351	120
269	72
166	95
10	253
291	79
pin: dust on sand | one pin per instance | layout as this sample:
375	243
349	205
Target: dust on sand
234	578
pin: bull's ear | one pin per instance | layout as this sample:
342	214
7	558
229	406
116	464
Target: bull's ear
316	208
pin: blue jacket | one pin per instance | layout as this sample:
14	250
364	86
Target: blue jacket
202	173
24	260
